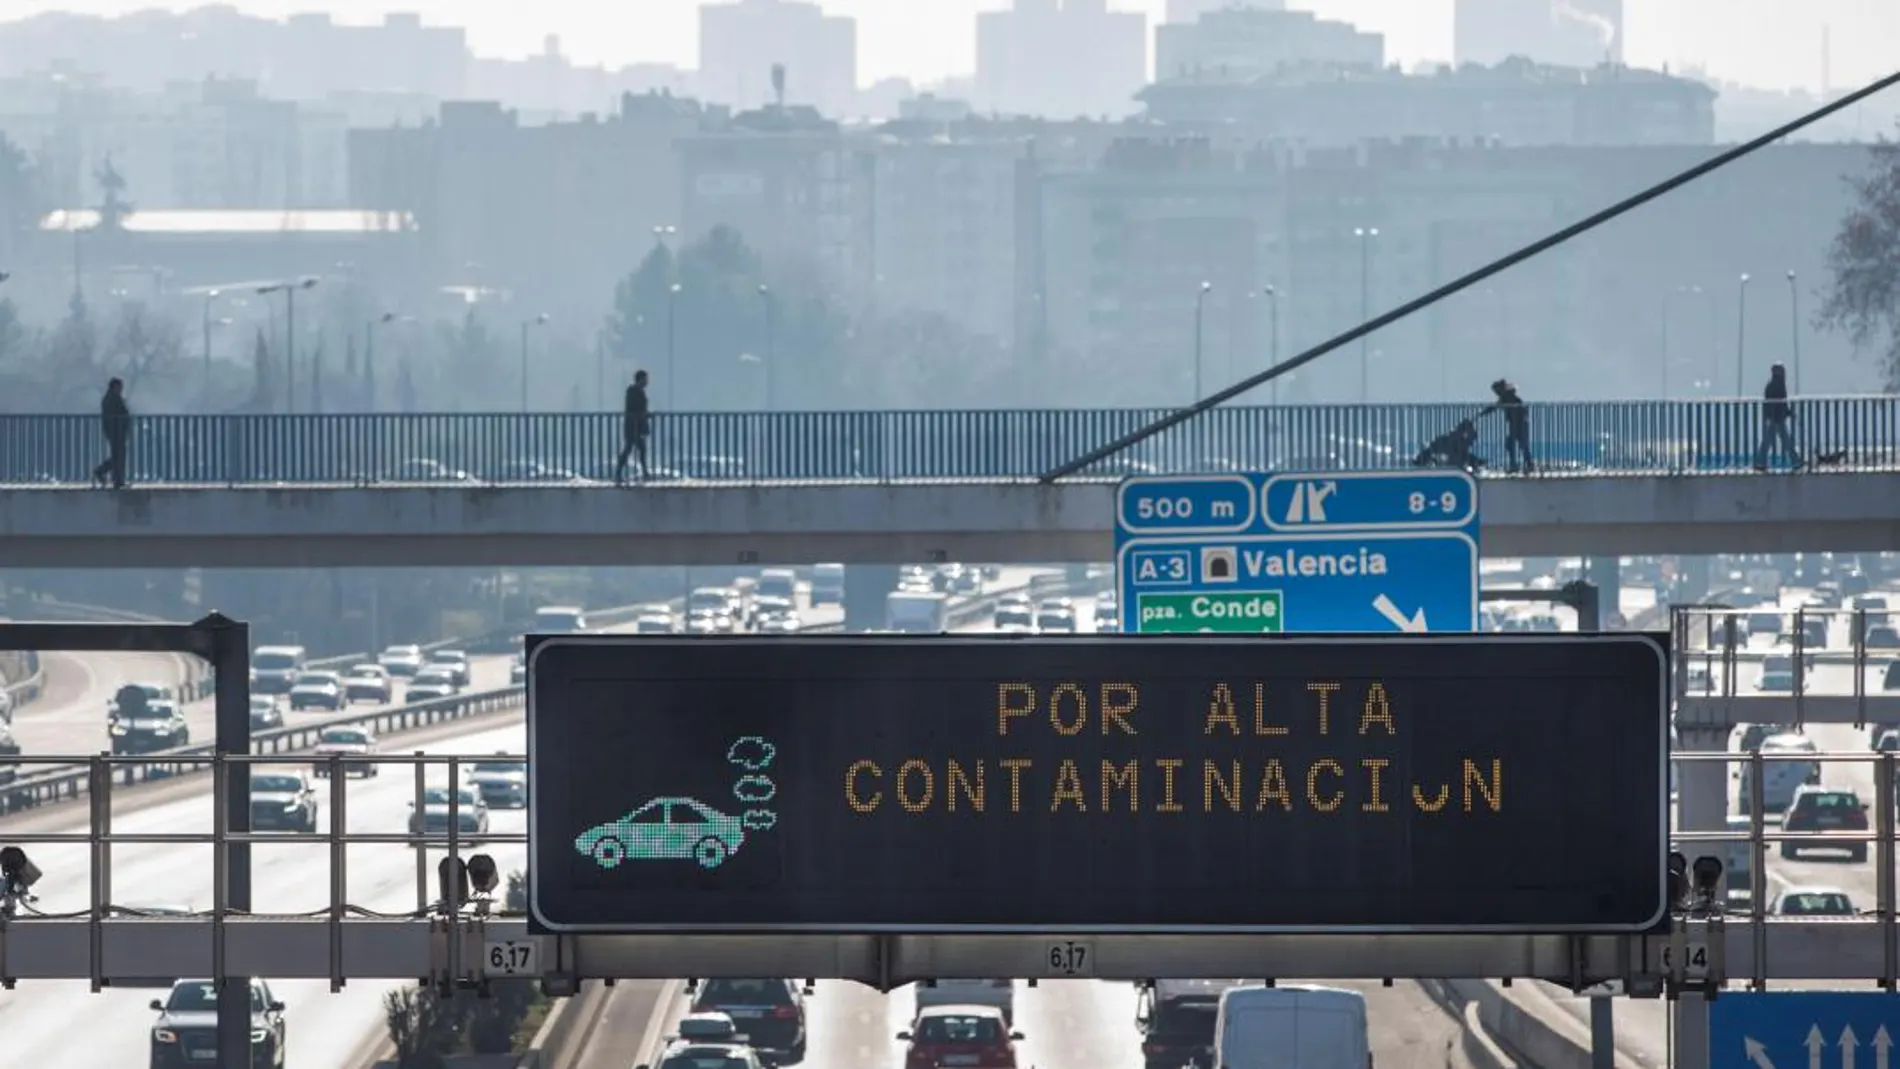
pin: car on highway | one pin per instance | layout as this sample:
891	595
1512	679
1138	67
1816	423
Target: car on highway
274	669
1014	619
456	661
707	1028
186	1031
471	813
1056	614
369	683
502	783
778	620
1780	777
1175	1019
518	670
158	726
702	1055
401	660
1749	737
1108	617
266	712
1816	808
435	681
654	622
282	800
781	583
344	742
1775	682
133	696
319	690
968	1037
771	1012
1814	901
1883	638
998	993
1890	679
710	622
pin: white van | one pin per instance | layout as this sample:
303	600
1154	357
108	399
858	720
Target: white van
1779	778
1293	1026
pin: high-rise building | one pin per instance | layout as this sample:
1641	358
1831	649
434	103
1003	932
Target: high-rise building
741	43
1060	62
1189	10
1240	43
1566	33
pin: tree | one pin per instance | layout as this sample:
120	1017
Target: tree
1862	298
264	378
925	360
143	348
23	199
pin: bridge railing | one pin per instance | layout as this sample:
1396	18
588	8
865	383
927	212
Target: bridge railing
1854	433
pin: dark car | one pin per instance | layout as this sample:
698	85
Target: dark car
503	784
1825	809
282	801
771	1013
265	713
158	726
1176	1021
186	1032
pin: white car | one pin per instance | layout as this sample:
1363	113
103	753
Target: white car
401	660
654	623
456	661
318	690
370	683
1812	902
435	681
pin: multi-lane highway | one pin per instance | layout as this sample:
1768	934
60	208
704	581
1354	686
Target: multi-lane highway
1069	1024
1642	1024
63	1023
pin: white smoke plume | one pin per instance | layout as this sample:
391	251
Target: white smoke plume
1606	30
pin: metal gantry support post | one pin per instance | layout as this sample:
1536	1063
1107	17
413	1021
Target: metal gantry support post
230	656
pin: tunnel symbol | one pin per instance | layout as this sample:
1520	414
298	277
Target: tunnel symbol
1218	564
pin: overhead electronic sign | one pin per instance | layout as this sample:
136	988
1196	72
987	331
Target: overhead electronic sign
1154	784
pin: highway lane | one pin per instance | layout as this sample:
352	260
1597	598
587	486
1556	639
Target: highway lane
61	1023
42	1019
1642	1023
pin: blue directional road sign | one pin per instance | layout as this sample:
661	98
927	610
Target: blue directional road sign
1803	1030
1338	551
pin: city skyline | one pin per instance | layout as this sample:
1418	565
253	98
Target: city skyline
1746	41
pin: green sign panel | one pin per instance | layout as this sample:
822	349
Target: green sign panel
1238	613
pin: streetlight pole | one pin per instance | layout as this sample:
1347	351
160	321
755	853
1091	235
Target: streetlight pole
210	295
369	356
672	339
1200	310
1365	234
1741	335
1273	341
771	343
538	321
289	290
1794	329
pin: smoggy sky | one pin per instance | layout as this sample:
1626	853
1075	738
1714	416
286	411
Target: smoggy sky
1767	43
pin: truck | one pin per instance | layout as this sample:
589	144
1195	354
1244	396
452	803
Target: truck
827	584
917	611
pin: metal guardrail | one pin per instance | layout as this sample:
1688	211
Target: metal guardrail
1634	437
69	777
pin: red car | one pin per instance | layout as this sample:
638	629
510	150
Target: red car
960	1037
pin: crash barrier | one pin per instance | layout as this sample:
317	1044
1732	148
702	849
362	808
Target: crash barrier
1495	1019
67	782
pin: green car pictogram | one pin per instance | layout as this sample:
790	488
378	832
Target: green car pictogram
665	829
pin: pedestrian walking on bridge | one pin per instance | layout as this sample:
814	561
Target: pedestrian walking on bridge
636	424
1776	416
115	419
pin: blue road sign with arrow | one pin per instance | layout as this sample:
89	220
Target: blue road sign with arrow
1803	1030
1374	551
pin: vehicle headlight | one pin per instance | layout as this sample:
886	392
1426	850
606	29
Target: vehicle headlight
118	729
292	807
164	1035
259	1035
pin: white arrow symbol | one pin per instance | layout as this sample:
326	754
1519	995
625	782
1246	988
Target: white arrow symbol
1882	1044
1850	1043
1815	1045
1757	1053
1414	623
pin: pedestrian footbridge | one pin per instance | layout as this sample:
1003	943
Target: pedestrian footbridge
861	521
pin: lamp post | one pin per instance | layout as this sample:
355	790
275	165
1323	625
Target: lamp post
771	342
1273	341
672	339
1741	335
1365	234
205	389
1794	330
369	354
538	321
1200	314
289	289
